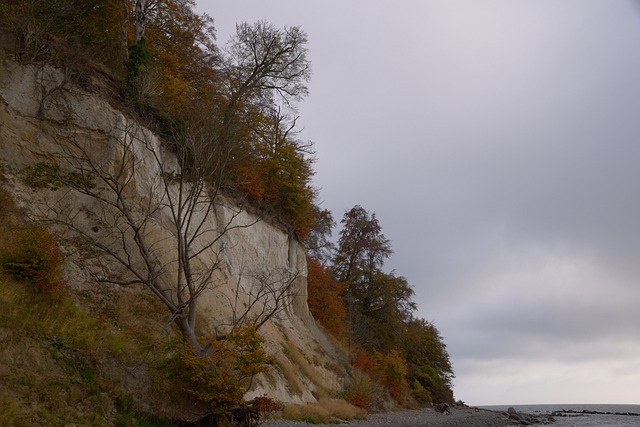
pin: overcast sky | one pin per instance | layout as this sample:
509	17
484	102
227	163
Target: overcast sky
498	142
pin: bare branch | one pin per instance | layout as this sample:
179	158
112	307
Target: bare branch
269	293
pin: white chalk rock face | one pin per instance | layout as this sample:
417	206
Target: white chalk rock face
40	104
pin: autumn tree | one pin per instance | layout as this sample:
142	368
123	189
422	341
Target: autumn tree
377	302
183	58
362	248
249	89
318	241
264	69
400	348
428	360
279	173
392	368
380	306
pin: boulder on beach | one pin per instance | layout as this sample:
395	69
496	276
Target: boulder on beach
526	419
443	408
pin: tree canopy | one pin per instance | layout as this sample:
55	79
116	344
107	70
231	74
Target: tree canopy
376	310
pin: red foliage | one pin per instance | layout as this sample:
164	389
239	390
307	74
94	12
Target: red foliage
325	301
35	258
266	405
363	361
361	398
222	377
250	179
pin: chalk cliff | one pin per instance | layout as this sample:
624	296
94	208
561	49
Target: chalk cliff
39	102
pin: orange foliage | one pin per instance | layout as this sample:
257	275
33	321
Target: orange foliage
392	370
35	258
181	46
361	397
272	166
364	362
222	377
389	370
250	181
325	302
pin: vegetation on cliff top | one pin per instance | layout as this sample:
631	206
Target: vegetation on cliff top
242	96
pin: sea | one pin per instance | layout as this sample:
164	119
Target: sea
582	415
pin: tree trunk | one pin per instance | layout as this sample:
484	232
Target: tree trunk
124	35
141	19
189	333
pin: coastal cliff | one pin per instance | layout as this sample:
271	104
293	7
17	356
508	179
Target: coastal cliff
38	104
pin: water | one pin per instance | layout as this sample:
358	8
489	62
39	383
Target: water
578	419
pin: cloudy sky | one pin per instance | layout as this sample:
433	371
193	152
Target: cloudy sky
498	142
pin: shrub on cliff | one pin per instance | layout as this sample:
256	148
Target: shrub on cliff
84	25
392	369
222	377
325	302
34	257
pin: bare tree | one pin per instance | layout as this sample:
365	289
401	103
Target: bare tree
133	215
263	65
262	60
271	295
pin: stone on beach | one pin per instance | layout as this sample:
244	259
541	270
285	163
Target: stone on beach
457	417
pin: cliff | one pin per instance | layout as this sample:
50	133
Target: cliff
38	104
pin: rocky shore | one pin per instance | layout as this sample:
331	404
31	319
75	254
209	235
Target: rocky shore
454	417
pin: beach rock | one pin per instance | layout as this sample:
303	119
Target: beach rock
516	418
443	408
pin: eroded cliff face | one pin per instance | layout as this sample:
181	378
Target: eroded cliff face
38	103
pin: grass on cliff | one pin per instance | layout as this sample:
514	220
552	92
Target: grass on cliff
59	364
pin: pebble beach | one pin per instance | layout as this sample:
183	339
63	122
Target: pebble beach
458	417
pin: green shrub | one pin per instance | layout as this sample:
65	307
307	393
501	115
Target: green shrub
50	175
139	59
420	394
138	72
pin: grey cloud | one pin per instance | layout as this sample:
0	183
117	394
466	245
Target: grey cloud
499	144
